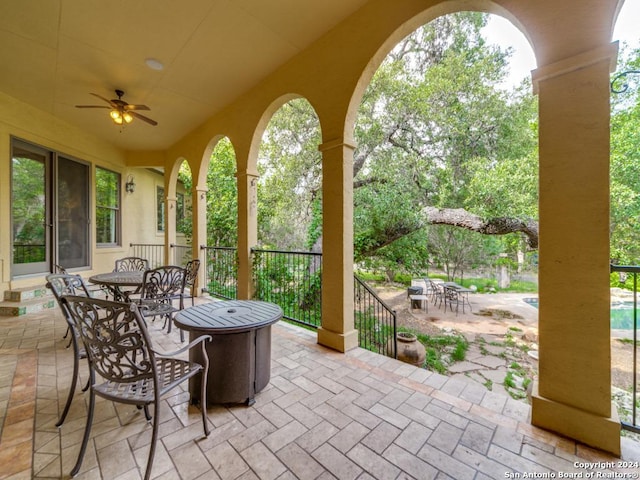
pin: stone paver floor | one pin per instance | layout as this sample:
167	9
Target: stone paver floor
324	415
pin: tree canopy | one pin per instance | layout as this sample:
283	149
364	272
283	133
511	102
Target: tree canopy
446	165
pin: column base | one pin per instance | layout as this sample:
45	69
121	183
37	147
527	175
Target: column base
602	433
341	342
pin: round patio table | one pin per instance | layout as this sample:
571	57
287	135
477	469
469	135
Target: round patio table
239	352
115	281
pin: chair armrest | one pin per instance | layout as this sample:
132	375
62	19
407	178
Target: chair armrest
200	339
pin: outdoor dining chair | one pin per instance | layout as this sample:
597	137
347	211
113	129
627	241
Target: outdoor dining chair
190	280
160	286
121	353
437	293
63	284
130	264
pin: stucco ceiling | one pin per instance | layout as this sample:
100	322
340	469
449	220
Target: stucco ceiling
53	53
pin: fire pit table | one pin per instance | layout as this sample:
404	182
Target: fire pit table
239	352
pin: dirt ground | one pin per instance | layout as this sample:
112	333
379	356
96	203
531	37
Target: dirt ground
494	315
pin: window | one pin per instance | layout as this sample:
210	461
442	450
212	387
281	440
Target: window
160	213
160	209
107	207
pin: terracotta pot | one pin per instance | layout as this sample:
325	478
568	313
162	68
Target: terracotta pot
410	350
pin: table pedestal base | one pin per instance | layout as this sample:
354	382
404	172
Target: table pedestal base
239	366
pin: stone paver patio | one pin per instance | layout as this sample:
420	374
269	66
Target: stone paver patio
324	415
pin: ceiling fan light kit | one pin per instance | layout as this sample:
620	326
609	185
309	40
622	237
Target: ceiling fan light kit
121	112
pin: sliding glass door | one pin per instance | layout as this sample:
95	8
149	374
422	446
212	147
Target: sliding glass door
49	210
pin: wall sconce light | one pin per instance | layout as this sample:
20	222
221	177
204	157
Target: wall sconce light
130	186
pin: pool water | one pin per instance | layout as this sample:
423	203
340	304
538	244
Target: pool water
621	314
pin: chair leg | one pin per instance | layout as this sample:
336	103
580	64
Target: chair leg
203	397
87	432
72	388
154	437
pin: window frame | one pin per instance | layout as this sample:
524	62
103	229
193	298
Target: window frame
116	210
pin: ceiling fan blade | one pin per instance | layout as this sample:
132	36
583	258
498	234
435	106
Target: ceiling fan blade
92	106
130	107
110	102
143	118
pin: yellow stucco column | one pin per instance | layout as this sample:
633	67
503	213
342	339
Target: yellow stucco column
247	230
573	392
337	330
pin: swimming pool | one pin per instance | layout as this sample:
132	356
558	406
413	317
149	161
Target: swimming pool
621	314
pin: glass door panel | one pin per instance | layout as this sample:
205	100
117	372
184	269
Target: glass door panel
29	210
49	211
72	219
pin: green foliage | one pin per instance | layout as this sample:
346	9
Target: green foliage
289	188
441	350
293	285
184	218
222	196
625	166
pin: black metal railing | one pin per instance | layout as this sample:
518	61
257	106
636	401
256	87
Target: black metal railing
629	414
374	320
292	280
28	253
221	272
181	254
153	252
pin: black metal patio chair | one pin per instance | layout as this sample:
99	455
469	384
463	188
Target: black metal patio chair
130	264
190	281
63	284
160	286
121	353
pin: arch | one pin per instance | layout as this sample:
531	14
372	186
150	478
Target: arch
203	166
261	126
406	28
286	161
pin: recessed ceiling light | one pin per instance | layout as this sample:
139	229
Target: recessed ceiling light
154	63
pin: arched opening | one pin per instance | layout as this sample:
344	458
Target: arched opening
446	147
287	265
218	197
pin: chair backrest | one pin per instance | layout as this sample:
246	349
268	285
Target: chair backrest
115	338
59	269
191	274
163	283
131	264
436	288
62	284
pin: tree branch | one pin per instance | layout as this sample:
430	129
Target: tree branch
455	217
459	217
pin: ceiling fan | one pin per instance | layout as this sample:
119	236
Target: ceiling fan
121	112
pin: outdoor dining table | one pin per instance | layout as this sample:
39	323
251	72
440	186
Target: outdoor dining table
116	283
239	352
458	293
